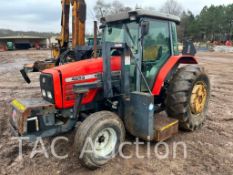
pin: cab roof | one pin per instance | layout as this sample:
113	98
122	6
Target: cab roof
140	13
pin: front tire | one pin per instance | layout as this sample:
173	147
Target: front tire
188	96
98	139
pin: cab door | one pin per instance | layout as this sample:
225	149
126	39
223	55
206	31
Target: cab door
156	51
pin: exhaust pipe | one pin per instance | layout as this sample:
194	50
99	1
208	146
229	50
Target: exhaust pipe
95	39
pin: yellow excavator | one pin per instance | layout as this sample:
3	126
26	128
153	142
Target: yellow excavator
61	52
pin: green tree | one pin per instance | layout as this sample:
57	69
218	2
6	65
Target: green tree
189	27
215	22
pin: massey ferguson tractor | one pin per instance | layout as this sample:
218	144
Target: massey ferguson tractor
140	74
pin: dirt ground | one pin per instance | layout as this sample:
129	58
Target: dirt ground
209	150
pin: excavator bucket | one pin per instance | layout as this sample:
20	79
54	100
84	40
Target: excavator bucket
38	66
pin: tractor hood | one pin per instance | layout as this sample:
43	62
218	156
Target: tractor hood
64	77
85	67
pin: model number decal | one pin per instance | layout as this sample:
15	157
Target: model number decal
90	76
79	78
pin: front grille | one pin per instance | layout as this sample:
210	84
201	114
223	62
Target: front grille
47	87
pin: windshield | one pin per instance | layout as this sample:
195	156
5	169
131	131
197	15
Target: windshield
123	33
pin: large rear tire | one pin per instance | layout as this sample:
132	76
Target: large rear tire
98	139
187	97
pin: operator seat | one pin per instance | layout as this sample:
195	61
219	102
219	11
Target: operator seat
150	66
154	69
152	53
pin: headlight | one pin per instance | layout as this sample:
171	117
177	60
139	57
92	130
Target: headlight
43	93
49	95
47	88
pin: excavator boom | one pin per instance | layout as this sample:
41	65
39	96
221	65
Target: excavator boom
78	23
79	18
78	36
63	39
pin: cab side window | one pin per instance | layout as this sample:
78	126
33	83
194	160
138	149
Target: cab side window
157	42
174	39
156	50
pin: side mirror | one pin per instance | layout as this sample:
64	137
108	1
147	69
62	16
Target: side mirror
189	48
145	28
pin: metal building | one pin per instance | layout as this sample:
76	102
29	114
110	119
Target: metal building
24	42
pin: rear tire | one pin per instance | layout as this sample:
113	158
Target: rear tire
182	93
102	131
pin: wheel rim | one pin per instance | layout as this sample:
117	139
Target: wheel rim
105	142
198	98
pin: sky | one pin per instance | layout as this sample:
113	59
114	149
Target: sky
44	15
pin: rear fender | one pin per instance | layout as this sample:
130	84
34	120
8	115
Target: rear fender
172	62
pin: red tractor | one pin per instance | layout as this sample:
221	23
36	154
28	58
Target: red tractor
140	74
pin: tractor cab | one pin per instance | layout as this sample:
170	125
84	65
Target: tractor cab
144	41
151	40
